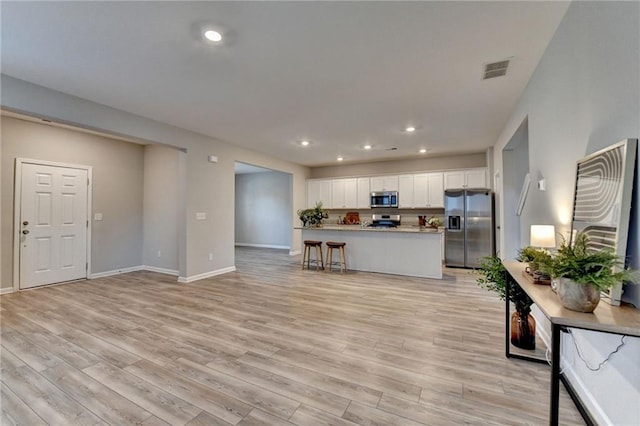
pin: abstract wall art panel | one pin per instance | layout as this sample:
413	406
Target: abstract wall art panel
602	200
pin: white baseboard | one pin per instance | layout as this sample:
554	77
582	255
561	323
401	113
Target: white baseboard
206	275
6	290
295	252
588	400
160	270
115	272
578	385
262	246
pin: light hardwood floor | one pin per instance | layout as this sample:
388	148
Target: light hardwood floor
269	344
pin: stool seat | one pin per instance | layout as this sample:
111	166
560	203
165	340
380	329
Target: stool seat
335	245
338	246
306	257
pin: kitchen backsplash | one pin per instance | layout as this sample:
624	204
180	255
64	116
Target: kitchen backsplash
409	217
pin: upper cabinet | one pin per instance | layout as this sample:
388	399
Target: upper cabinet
344	193
428	191
364	193
469	178
384	183
405	191
319	191
420	190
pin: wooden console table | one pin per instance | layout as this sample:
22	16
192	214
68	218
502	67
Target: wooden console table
621	320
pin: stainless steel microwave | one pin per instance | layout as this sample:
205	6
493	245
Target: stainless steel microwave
384	199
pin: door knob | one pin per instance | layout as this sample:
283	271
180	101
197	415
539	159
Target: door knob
25	223
25	232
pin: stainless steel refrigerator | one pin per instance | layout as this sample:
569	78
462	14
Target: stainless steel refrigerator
469	227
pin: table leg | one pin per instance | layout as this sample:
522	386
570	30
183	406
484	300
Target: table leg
555	374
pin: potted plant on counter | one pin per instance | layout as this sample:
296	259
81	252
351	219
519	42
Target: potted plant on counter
313	217
584	272
535	257
434	222
493	277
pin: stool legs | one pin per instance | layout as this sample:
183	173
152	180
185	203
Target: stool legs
343	259
319	255
306	256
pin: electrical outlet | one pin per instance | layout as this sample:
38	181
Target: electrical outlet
210	256
159	253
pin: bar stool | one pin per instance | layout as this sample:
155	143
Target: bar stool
306	257
343	261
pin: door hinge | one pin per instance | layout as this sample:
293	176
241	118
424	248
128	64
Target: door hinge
86	266
87	223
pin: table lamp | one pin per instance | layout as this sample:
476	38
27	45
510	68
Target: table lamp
543	236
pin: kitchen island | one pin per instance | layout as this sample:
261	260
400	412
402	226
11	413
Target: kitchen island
410	251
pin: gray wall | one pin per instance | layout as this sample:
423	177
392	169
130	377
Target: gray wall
402	166
117	188
584	97
263	209
161	207
207	246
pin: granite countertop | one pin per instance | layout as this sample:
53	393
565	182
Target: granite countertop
406	229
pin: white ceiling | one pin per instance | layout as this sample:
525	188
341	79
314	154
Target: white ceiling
341	74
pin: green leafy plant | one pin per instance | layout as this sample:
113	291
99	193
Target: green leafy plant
493	277
536	257
600	268
313	216
434	221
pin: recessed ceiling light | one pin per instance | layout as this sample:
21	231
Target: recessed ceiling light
212	35
340	158
367	146
305	143
409	129
423	150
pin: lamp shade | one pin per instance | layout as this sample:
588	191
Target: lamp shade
543	236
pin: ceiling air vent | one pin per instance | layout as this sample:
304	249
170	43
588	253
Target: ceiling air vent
495	69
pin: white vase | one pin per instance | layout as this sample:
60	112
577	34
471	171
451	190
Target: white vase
578	297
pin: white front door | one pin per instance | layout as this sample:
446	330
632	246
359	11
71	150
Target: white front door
53	224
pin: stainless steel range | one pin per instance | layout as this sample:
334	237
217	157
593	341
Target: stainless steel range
385	221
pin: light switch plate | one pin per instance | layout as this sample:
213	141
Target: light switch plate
542	185
201	216
97	216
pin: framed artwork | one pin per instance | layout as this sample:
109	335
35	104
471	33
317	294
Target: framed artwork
602	201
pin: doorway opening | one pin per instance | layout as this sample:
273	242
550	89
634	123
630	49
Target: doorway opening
263	207
515	165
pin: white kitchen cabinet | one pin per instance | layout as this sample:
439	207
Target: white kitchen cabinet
363	193
405	191
454	179
436	190
344	193
476	178
428	190
319	191
384	183
469	178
